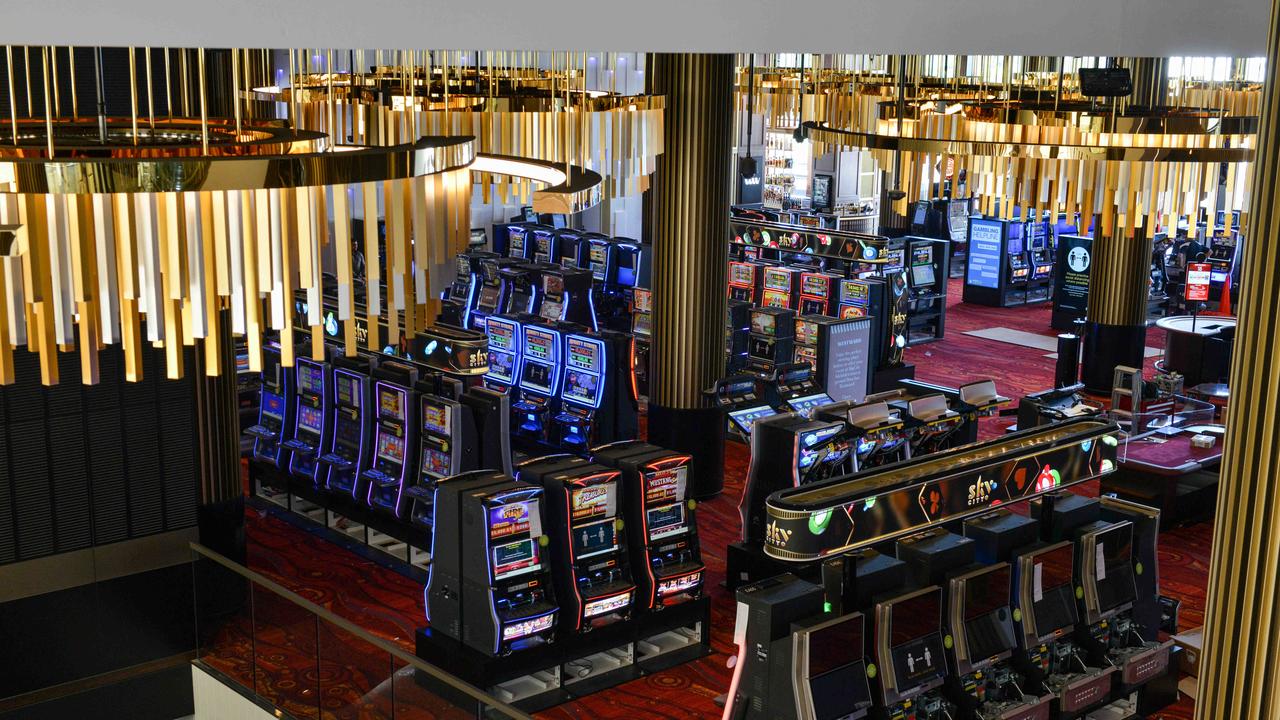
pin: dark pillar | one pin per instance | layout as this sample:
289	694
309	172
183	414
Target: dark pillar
1116	328
221	511
692	190
1240	662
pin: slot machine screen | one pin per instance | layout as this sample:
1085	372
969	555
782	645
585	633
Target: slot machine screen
641	324
272	405
582	387
348	433
310	418
1015	238
664	501
665	521
916	640
596	538
542	246
1053	599
488	296
922	275
436	463
777	279
809	402
390	447
806	331
513	534
742	274
747	417
435	417
763	323
988	624
462	267
347	393
599	260
894	260
815	285
502	335
583	354
391	404
539	344
515	241
837	677
917	218
551	309
643	300
536	376
760	347
502	366
1114	571
922	255
627	268
552	284
310	378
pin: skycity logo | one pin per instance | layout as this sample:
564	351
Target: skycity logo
980	492
776	536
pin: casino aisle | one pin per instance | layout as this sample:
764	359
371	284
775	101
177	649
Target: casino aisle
390	605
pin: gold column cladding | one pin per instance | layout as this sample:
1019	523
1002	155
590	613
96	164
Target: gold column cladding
1119	278
691	198
1240	664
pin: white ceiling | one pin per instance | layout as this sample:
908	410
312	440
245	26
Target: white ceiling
1022	27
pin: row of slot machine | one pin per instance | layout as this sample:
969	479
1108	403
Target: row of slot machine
566	546
554	545
1007	616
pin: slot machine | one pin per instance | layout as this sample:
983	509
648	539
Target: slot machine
395	434
819	293
519	244
588	550
1016	256
1044	601
741	399
737	330
770	342
275	410
491	413
566	296
457	297
489	296
352	426
796	389
446	447
489	584
582	393
506	338
520	282
660	522
600	257
469	276
632	263
745	280
980	622
575	250
313	405
539	382
781	287
546	246
641	330
910	656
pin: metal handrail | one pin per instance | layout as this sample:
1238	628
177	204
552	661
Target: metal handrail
350	627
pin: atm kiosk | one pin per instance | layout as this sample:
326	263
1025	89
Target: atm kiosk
589	554
595	402
447	445
539	383
911	657
819	293
352	422
506	342
394	437
566	296
489	583
980	622
781	287
1048	655
742	400
275	411
660	522
746	281
770	342
311	436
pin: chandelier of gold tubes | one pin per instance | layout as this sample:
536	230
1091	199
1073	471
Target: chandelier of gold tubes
146	229
510	104
1031	138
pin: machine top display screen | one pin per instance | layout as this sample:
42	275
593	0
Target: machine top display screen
1053	597
582	387
778	279
585	354
742	274
855	291
347	393
502	334
988	623
922	255
310	378
462	267
594	502
539	344
310	418
666	486
391	403
390	447
435	417
815	284
552	284
836	645
763	323
272	405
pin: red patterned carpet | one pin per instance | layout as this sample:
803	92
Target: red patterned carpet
390	604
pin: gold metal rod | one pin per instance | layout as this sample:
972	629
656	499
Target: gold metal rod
71	65
57	100
48	117
183	81
204	104
168	84
26	68
235	86
133	92
151	106
13	105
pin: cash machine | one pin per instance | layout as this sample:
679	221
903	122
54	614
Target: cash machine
910	655
781	287
566	296
589	554
746	280
275	410
539	384
352	423
391	468
595	402
506	341
660	522
313	401
489	584
447	445
819	293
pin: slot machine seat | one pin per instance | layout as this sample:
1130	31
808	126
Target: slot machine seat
336	460
931	408
262	432
300	447
980	393
871	416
